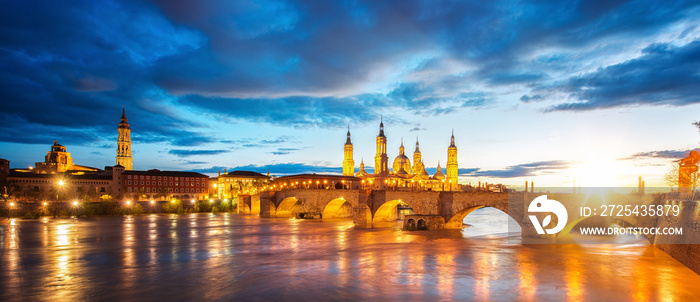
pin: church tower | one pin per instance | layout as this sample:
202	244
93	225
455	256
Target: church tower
452	167
348	162
124	144
381	160
417	158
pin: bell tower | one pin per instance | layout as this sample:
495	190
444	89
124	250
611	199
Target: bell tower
124	144
452	167
381	160
348	162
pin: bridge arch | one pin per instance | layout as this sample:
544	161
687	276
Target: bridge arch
289	207
456	221
387	212
338	208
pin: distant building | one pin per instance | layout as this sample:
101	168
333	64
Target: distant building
404	175
4	172
58	160
231	183
162	185
63	186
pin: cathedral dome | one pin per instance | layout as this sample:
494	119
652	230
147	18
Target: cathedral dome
402	161
438	175
362	172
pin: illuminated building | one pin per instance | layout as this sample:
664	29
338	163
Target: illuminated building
124	158
229	184
156	184
405	176
58	160
348	162
92	185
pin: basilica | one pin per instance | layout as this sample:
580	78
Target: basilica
403	175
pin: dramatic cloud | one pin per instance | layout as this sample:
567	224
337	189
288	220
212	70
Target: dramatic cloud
187	153
671	154
522	170
206	73
663	75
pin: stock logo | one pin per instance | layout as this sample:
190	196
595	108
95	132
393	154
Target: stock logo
543	205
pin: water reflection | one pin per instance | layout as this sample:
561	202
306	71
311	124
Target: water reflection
232	257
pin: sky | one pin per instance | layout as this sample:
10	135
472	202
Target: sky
598	92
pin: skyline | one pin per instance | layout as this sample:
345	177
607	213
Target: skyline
602	92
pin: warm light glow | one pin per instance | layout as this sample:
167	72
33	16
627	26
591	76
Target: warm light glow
211	200
45	203
152	201
75	203
172	201
192	200
128	202
600	172
12	204
214	185
60	182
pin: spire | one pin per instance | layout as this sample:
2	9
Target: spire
417	145
123	115
401	149
381	126
452	139
348	142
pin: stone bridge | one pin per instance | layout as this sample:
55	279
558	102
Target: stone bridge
448	210
370	206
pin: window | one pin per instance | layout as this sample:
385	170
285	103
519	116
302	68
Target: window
148	177
171	183
176	190
159	183
129	189
148	182
142	180
148	189
158	177
130	182
129	176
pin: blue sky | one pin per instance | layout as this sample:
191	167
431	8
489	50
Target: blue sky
548	91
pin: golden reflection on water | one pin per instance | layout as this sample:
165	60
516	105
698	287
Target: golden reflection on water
446	276
483	274
527	277
573	277
295	259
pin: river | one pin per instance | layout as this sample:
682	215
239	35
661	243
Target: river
164	257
